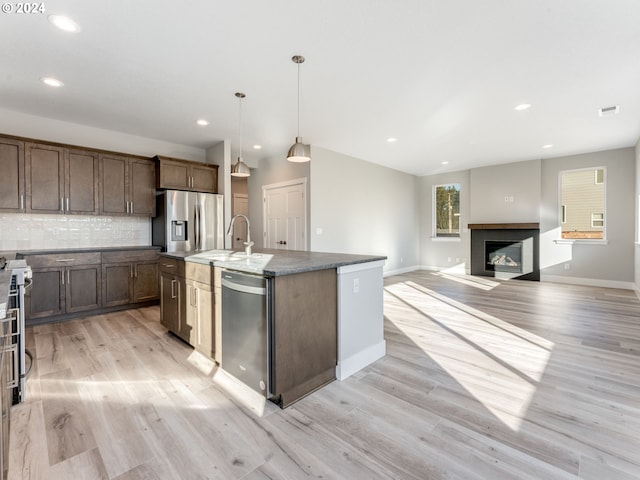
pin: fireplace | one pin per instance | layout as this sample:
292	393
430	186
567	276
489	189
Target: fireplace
505	250
503	256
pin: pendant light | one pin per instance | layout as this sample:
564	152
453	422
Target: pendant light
299	152
240	169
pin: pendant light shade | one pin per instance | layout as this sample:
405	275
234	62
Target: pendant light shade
299	152
240	169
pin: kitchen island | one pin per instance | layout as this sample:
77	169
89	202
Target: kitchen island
326	318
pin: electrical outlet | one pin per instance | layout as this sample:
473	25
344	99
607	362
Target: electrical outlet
567	266
449	259
356	285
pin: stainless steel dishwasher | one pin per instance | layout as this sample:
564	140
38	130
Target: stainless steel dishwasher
245	329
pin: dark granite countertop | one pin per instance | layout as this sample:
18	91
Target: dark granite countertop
286	262
84	250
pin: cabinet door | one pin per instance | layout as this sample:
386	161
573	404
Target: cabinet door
174	175
204	178
116	284
46	295
143	187
12	193
81	182
44	169
188	327
204	322
145	281
82	288
113	185
169	301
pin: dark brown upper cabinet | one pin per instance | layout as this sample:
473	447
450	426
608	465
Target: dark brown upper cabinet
176	174
127	186
12	193
44	178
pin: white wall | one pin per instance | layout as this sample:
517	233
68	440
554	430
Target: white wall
363	208
441	253
40	128
609	264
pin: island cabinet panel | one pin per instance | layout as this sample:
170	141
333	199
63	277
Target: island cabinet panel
304	354
44	170
12	193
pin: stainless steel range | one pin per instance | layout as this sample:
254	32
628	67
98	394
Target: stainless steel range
20	280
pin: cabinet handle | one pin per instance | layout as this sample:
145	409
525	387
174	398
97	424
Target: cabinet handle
131	271
168	265
61	260
173	288
135	271
131	209
22	202
68	277
67	204
62	274
62	204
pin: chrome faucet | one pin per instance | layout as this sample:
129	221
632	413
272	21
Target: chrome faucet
248	244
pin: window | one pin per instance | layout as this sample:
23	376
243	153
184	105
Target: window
446	215
582	200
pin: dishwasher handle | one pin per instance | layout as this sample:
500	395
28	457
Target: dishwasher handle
243	288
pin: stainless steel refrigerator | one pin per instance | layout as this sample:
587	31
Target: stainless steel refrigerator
188	221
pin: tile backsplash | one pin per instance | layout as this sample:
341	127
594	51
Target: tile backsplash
41	232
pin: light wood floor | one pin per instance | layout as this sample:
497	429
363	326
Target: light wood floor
482	380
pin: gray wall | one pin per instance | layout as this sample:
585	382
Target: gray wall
518	183
443	252
363	208
611	261
637	210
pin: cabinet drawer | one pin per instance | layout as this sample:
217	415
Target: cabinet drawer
198	272
62	259
129	256
171	265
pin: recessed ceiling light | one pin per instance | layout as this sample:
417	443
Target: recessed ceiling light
444	163
52	82
391	139
257	147
64	23
548	145
522	106
202	122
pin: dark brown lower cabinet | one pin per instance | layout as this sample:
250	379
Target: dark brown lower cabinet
305	333
129	277
67	283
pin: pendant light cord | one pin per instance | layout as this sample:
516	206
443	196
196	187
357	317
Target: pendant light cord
298	99
240	122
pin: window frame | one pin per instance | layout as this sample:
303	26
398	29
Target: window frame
563	207
434	216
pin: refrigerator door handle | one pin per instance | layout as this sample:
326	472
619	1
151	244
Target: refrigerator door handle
196	217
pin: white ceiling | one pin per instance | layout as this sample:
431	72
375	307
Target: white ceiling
443	77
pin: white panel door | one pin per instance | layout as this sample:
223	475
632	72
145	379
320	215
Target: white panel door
285	215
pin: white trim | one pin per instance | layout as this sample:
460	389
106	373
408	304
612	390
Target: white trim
357	267
348	366
568	241
400	271
592	282
446	239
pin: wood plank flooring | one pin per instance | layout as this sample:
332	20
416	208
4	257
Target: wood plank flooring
482	380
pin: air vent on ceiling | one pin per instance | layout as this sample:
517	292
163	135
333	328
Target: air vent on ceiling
608	111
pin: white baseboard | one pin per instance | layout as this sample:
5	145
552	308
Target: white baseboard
348	366
591	282
399	271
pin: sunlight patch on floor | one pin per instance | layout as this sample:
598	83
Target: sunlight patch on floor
496	362
482	283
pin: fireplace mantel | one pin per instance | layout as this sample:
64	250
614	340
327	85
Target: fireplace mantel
504	226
